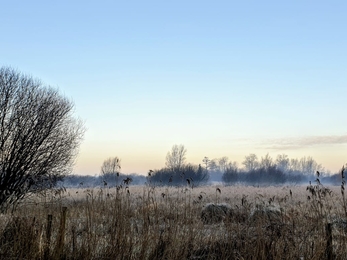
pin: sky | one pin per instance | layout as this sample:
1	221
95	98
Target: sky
223	78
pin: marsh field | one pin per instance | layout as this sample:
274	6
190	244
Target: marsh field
149	222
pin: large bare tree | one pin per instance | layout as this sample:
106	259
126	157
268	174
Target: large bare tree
111	166
176	158
110	170
39	137
251	162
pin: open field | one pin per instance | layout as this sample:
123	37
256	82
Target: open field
147	222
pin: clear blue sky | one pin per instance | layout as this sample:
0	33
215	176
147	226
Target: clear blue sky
224	78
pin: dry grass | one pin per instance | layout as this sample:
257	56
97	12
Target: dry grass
165	223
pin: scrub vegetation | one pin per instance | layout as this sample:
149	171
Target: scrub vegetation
179	222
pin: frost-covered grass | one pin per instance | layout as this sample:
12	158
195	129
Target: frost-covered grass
147	222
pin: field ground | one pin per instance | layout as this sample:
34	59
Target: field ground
147	222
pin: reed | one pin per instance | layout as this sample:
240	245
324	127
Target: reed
149	222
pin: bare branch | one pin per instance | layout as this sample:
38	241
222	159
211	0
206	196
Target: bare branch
39	137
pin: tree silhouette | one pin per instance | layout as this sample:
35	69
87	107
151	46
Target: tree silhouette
110	170
176	158
39	137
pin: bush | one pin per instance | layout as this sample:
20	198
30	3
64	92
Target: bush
189	174
231	175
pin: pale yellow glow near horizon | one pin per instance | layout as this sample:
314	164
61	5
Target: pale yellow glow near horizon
153	156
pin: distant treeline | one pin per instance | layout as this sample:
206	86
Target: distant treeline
275	176
195	176
265	171
268	171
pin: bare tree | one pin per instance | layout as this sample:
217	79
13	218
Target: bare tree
251	162
283	162
39	137
233	165
294	165
176	158
213	166
309	166
306	165
206	161
111	165
266	162
223	163
110	169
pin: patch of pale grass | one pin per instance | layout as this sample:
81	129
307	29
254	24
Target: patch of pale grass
143	222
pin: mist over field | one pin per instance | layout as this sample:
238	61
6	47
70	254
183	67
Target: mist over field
265	171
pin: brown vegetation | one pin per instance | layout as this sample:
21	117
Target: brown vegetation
166	223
